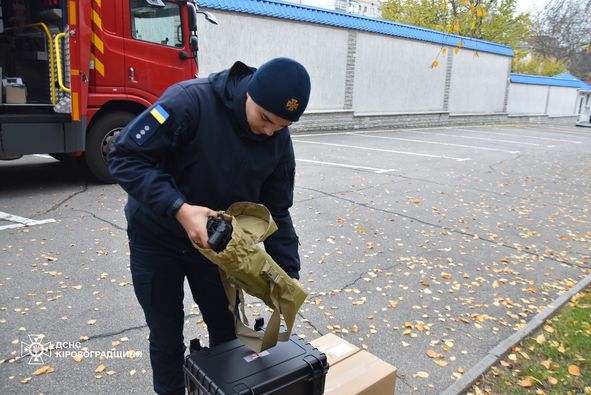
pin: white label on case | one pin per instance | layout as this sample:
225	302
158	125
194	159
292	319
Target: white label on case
256	355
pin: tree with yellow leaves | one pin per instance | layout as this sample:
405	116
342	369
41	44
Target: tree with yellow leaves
490	20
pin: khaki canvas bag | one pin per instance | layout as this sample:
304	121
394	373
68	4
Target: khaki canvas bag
245	266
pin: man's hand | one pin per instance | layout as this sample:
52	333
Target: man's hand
194	221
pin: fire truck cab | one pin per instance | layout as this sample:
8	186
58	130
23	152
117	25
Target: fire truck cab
75	72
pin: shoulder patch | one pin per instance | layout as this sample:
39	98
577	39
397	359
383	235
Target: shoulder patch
147	124
159	113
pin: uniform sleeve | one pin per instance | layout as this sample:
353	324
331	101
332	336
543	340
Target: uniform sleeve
277	196
137	153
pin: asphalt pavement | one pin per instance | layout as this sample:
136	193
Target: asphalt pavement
427	247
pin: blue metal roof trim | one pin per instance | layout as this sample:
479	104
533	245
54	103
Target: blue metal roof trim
340	19
542	80
566	76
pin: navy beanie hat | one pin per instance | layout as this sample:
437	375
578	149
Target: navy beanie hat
281	86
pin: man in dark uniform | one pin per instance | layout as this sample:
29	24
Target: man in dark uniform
205	144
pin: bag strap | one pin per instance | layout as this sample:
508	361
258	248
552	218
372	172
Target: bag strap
256	340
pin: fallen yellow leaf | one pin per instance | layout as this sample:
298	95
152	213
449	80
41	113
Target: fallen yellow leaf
43	370
100	368
431	354
561	349
421	374
574	370
541	339
526	383
548	329
91	322
552	380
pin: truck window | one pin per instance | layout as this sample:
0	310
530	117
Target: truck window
159	25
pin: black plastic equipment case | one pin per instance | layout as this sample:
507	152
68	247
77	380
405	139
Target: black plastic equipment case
291	367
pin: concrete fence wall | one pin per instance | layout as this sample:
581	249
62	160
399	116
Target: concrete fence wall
393	76
527	99
553	101
362	79
478	83
562	101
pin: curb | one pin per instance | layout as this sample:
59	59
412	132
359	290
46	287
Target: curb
494	355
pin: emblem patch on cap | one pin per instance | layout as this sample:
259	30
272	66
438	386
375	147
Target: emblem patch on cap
292	105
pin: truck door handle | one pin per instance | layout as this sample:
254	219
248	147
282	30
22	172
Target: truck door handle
131	74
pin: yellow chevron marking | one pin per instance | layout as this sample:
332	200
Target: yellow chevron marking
98	43
72	13
98	2
96	18
98	65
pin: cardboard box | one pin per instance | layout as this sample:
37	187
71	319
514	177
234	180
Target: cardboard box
14	91
353	371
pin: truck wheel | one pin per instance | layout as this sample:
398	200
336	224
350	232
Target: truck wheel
99	140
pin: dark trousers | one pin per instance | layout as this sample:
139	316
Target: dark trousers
158	271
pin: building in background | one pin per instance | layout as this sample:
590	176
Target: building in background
369	8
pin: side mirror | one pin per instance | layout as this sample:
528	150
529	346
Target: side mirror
156	3
192	17
194	45
210	17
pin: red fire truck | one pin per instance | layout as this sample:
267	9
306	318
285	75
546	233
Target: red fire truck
75	72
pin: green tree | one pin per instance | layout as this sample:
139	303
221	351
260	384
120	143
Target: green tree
533	63
491	20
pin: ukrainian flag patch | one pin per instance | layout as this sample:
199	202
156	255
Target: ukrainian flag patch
146	125
159	113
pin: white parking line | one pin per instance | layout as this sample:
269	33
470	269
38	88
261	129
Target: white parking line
21	221
569	130
383	150
482	138
439	143
344	165
521	135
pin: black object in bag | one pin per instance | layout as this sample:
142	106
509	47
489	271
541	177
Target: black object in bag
219	233
292	367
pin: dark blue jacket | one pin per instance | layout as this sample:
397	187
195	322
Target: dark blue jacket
194	145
